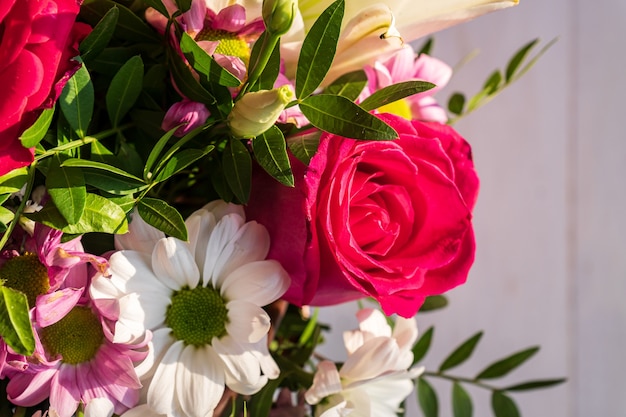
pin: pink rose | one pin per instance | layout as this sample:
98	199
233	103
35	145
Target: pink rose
38	39
389	220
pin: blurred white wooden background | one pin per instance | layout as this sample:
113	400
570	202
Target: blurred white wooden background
551	217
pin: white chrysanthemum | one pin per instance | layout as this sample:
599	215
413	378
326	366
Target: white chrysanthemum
374	379
202	301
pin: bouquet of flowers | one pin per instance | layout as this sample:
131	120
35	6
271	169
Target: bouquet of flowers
184	182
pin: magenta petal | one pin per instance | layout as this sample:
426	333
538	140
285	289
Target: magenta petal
230	19
54	306
28	389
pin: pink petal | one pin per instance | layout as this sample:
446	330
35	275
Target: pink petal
64	392
54	306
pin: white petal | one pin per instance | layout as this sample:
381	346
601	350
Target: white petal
326	381
141	411
131	271
157	347
199	381
375	357
200	225
374	322
259	282
220	208
405	332
353	339
387	393
174	264
99	407
242	368
247	323
223	233
262	354
162	393
140	237
131	324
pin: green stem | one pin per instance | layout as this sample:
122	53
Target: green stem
70	145
461	379
267	47
20	209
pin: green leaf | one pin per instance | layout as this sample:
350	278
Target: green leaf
129	26
427	398
338	115
270	151
66	186
162	216
461	401
348	85
124	89
456	103
100	153
533	61
268	76
6	215
186	82
318	49
238	169
37	131
176	146
395	92
180	161
100	36
493	83
530	385
304	145
423	344
77	100
427	46
100	215
504	366
84	163
503	405
205	65
156	151
434	302
462	353
517	59
15	326
112	183
183	5
261	402
13	181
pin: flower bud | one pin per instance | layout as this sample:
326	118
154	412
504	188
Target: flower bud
278	15
257	111
187	112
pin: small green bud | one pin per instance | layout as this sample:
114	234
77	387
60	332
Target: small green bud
257	111
278	15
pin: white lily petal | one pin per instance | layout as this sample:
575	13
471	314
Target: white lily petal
162	390
223	233
247	323
260	283
242	369
326	382
99	407
375	357
199	381
374	322
174	265
140	237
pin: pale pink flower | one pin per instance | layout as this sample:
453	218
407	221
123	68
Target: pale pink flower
401	66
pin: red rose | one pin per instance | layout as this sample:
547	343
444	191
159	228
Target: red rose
38	39
390	220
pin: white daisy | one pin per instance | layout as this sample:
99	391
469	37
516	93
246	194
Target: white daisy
374	379
202	301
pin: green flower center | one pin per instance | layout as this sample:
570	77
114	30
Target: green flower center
197	315
76	337
26	274
230	43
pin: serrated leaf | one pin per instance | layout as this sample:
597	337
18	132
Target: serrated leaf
503	366
340	116
461	401
37	131
270	151
517	59
395	92
129	25
15	326
13	181
205	65
124	89
456	103
427	398
304	145
162	216
66	186
434	302
349	85
77	101
100	36
461	353
100	215
537	384
238	169
180	161
503	406
423	344
318	49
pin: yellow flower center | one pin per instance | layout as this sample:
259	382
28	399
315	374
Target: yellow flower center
229	43
26	274
76	337
399	108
